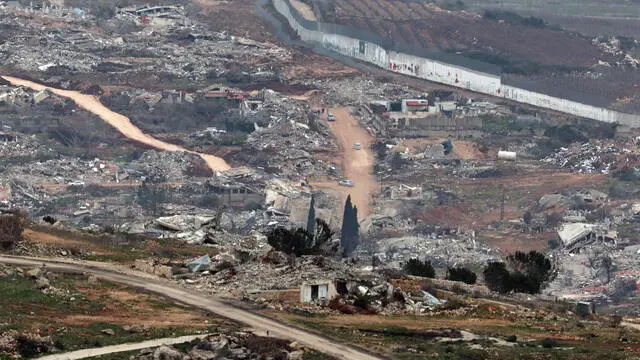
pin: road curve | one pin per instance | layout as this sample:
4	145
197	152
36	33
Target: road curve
87	353
208	303
120	122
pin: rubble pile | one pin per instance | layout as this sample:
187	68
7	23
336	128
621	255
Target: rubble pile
63	170
360	90
587	158
156	165
15	144
177	46
231	346
232	273
294	133
442	251
12	341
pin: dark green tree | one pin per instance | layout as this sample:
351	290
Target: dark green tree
498	278
323	233
299	241
350	234
416	267
290	241
462	274
523	272
311	217
531	271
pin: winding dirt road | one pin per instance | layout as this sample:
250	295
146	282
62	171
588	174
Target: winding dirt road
118	121
169	290
357	165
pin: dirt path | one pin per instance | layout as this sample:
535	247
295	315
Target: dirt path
87	353
170	290
357	165
118	121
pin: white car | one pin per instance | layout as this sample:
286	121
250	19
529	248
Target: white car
345	182
331	117
357	146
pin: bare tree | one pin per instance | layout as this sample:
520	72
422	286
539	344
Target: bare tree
606	267
593	258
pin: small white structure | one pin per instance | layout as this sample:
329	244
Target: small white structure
507	155
317	289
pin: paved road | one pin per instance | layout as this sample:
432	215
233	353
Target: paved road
87	353
357	165
118	121
209	303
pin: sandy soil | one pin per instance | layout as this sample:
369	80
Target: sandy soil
118	121
356	164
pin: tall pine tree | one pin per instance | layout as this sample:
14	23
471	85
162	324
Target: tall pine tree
349	237
311	218
345	234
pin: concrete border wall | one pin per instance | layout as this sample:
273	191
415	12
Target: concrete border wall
437	67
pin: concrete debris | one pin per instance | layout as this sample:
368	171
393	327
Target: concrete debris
443	251
231	346
184	222
9	344
587	158
201	264
177	45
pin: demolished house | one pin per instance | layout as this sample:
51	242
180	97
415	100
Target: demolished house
575	236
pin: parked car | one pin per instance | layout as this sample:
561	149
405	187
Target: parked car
357	146
345	182
331	117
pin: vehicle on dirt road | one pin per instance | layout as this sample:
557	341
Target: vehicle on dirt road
331	117
345	182
357	146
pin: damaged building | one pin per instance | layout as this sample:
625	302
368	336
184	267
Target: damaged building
419	118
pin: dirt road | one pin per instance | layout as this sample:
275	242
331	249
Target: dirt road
118	121
87	353
357	165
170	290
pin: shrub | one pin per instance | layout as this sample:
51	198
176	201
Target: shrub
462	274
512	338
497	277
549	343
363	302
416	267
527	273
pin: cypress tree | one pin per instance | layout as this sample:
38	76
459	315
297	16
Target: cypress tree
311	218
347	228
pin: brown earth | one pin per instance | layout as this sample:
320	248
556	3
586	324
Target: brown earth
357	165
118	121
419	23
